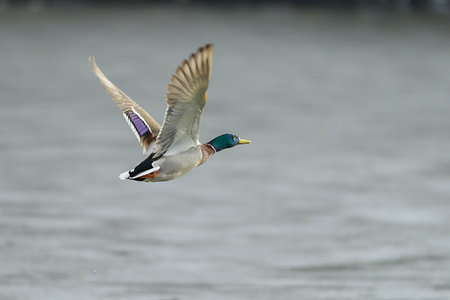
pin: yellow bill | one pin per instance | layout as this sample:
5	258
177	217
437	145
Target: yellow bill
244	141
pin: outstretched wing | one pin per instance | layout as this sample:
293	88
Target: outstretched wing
141	123
185	101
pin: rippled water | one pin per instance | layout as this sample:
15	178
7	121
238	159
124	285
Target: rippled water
343	194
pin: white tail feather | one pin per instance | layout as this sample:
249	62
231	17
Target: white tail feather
124	175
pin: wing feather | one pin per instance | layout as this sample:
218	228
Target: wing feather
145	128
185	98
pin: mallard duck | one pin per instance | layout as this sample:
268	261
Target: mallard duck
173	149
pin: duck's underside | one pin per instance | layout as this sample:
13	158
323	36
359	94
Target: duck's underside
166	167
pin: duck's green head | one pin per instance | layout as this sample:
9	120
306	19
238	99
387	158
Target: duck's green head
225	141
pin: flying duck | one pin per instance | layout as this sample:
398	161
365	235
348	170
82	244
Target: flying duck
173	149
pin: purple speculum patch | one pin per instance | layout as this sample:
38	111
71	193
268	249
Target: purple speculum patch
138	123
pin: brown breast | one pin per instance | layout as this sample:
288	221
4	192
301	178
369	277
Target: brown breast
207	152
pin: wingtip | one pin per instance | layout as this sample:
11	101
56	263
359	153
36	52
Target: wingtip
91	61
208	46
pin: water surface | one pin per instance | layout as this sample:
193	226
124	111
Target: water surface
343	194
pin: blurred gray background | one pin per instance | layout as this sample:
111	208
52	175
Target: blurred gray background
343	194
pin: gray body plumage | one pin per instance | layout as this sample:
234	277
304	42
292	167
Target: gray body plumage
173	166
